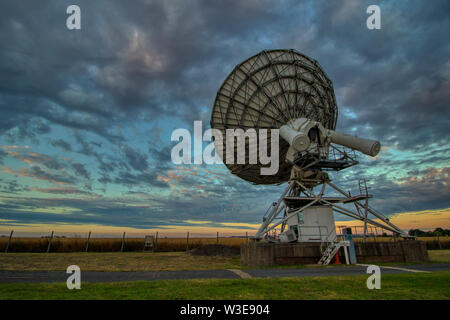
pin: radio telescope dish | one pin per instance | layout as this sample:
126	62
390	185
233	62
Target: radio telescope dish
267	91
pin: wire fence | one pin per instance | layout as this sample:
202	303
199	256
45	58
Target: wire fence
114	242
162	241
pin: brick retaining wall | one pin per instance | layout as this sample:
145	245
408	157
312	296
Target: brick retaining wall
268	254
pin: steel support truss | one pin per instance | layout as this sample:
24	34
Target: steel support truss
297	197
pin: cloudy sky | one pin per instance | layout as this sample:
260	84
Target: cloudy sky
86	115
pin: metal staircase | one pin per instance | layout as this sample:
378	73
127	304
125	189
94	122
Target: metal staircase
330	252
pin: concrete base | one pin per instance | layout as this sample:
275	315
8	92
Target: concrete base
269	254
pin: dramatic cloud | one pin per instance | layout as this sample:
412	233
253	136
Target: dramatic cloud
62	144
81	170
136	160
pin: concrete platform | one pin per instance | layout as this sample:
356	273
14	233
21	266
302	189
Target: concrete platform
269	254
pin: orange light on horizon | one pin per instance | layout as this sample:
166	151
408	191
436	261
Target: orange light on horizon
426	219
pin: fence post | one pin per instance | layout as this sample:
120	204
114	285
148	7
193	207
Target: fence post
187	241
50	242
123	241
246	237
9	241
156	241
217	240
439	242
87	243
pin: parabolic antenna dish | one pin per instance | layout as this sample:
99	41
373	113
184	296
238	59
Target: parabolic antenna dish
266	91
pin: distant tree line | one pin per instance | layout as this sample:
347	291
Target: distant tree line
436	232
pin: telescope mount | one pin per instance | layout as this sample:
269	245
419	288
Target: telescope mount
287	90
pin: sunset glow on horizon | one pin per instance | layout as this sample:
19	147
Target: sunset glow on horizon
425	220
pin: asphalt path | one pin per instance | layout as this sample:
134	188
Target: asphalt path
94	276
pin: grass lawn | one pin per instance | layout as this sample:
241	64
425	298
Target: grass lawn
400	286
115	261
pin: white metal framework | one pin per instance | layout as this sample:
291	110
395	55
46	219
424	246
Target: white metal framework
298	197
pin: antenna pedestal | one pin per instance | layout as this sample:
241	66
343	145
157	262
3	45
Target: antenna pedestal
299	199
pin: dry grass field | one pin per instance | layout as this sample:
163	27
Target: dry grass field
116	261
163	244
111	244
140	261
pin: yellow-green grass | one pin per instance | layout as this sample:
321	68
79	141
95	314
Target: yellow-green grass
436	256
421	286
116	261
439	255
142	261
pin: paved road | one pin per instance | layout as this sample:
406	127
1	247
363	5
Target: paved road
91	276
